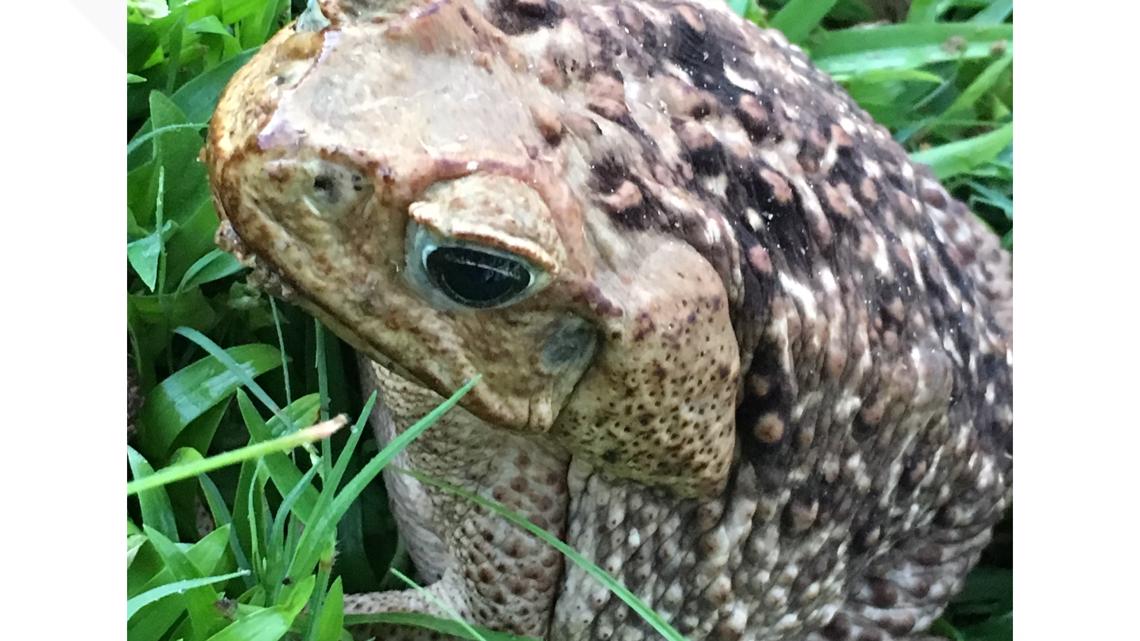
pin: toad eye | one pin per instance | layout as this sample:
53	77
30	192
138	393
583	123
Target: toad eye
476	278
468	275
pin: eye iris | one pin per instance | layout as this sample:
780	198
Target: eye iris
474	278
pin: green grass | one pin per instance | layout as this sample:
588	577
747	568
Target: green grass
231	379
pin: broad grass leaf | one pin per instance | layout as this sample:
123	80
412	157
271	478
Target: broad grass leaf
142	193
269	624
143	562
330	624
200	432
258	27
799	17
997	628
995	13
884	92
927	11
177	151
215	265
199	601
172	45
220	512
301	412
207	556
177	587
153	623
154	504
143	254
188	393
988	590
134	543
991	196
352	546
198	97
209	24
242	502
151	318
282	471
942	628
277	542
220	43
142	42
236	10
961	156
739	7
193	239
155	620
846	52
977	89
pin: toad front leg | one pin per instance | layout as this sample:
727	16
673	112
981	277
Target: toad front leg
482	567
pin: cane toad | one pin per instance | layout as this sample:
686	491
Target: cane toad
735	347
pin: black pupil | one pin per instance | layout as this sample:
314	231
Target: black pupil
475	278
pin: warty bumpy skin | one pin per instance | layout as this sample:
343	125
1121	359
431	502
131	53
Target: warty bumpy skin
763	375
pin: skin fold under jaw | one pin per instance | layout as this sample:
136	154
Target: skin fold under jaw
736	349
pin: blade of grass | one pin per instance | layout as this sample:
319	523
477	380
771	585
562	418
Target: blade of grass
150	596
995	13
799	17
980	86
208	555
323	391
281	346
154	504
268	624
353	440
255	515
322	368
315	536
194	468
277	530
193	390
212	349
927	11
141	138
857	50
961	156
282	471
155	621
204	618
739	7
222	518
648	614
317	600
214	265
443	607
330	621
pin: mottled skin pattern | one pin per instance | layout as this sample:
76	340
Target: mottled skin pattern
764	377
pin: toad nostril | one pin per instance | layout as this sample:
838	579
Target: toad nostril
326	185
